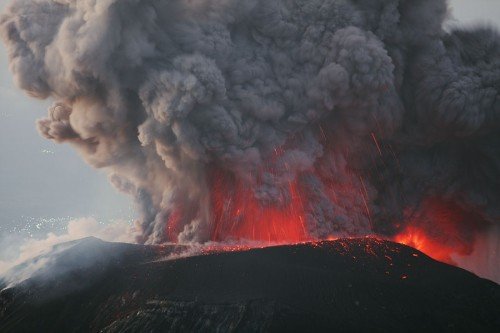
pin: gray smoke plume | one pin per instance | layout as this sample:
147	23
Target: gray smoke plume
371	98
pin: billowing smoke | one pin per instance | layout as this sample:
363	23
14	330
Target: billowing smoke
223	118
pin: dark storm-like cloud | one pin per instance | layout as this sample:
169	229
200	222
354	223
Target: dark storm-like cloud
370	97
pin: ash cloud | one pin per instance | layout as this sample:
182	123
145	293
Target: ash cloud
371	98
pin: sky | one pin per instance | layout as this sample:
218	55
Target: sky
44	185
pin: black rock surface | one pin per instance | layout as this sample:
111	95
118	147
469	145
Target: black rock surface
343	285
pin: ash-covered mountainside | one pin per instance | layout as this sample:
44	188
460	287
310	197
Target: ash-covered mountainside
343	285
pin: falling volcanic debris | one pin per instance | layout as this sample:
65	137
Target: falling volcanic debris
273	121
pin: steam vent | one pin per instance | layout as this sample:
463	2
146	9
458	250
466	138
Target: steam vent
343	285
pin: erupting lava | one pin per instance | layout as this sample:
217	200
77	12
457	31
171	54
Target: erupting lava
440	229
420	240
238	215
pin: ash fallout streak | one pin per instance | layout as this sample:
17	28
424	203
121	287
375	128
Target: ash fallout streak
275	121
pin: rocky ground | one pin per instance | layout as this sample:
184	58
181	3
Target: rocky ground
343	285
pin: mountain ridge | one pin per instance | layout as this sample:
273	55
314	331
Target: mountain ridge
347	284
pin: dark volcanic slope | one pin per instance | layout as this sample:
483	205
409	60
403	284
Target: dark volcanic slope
344	285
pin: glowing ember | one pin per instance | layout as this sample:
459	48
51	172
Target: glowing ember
217	248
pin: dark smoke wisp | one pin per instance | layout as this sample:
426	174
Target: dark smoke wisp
270	120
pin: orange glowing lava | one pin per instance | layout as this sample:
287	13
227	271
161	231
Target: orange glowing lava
440	229
238	215
419	240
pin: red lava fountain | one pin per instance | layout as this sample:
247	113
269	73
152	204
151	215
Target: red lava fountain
441	229
438	228
238	215
420	240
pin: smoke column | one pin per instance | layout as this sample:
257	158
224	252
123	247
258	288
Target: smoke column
280	120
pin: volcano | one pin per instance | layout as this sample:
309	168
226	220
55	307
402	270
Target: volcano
361	284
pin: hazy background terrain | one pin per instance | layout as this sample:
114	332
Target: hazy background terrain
44	185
